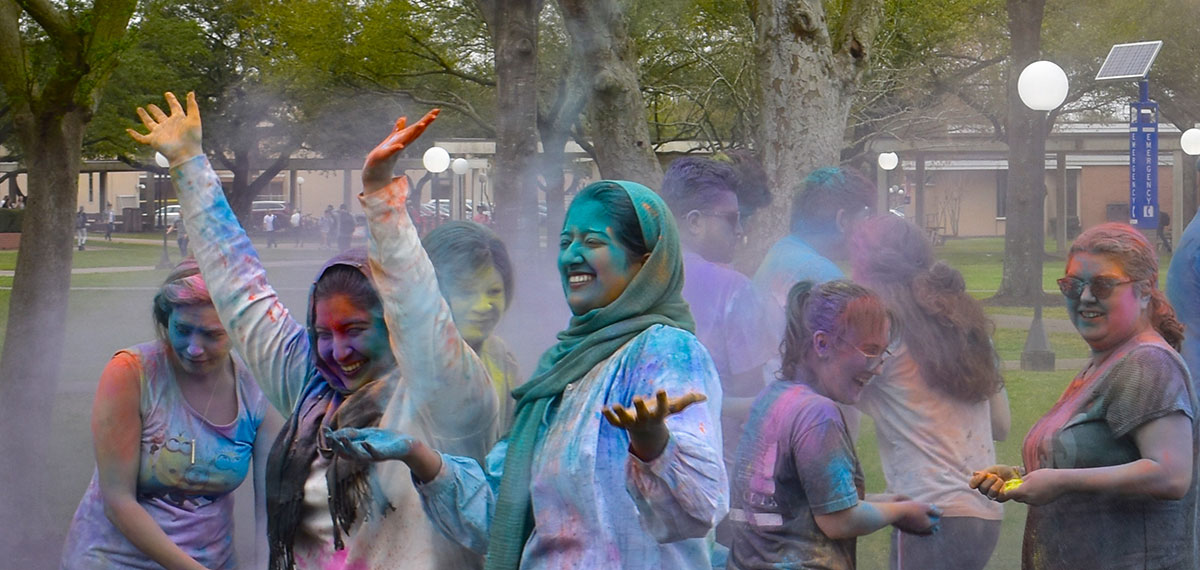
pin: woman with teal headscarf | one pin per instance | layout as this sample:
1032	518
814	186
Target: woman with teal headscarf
583	481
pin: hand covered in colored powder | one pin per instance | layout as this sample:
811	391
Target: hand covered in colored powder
177	136
919	518
1037	487
377	169
647	427
369	444
996	482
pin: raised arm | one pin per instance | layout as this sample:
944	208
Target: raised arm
274	346
443	377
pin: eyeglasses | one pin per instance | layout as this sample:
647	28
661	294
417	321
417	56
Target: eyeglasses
1102	287
873	360
733	218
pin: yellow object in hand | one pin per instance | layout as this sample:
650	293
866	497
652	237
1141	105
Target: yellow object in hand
1012	483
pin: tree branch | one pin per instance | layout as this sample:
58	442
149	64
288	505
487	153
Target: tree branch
59	25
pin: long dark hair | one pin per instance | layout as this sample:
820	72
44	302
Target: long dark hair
833	307
946	330
1135	254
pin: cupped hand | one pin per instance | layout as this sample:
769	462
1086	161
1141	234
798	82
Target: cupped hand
1037	487
990	482
919	518
178	135
381	161
644	418
369	444
647	426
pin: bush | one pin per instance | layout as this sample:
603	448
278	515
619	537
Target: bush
10	220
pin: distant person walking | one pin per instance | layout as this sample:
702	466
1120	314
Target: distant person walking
269	228
327	224
345	226
80	228
181	236
297	220
110	221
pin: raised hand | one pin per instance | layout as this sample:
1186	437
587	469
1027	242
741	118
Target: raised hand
369	444
178	135
377	169
647	427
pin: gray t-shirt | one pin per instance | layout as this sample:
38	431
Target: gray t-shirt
1092	425
795	460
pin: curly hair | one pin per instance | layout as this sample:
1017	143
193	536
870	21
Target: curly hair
1131	249
834	307
945	329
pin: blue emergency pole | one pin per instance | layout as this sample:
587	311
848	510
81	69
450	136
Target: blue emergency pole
1143	160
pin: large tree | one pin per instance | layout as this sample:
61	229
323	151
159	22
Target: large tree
56	59
811	57
616	110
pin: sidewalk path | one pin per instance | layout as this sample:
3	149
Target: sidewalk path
1023	323
134	268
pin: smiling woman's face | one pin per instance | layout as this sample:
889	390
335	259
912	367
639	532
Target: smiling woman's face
1104	323
595	269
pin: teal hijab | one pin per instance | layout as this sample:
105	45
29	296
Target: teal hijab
651	298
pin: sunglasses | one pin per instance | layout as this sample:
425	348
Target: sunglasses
1102	287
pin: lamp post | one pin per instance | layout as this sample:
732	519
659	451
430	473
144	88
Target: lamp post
460	167
164	262
1042	86
299	193
436	160
887	162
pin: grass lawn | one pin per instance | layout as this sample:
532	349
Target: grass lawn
111	310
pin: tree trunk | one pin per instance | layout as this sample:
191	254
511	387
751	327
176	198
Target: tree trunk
1024	229
616	111
806	85
35	333
514	30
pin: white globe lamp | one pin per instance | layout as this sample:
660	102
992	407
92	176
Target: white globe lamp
460	166
161	160
888	160
1042	86
1190	141
436	160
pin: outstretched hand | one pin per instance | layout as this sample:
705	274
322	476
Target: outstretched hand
377	169
369	444
178	135
647	426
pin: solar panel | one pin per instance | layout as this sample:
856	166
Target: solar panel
1129	61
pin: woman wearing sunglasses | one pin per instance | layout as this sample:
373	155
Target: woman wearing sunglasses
1109	470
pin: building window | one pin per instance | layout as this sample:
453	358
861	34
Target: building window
1072	193
1001	193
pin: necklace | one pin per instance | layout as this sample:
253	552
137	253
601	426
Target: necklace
211	394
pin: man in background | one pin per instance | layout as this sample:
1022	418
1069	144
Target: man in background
708	202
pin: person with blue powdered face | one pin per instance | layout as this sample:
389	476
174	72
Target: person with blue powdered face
614	457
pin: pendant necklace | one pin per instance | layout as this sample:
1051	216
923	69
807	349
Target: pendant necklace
211	394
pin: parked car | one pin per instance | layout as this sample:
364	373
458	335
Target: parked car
259	208
172	213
